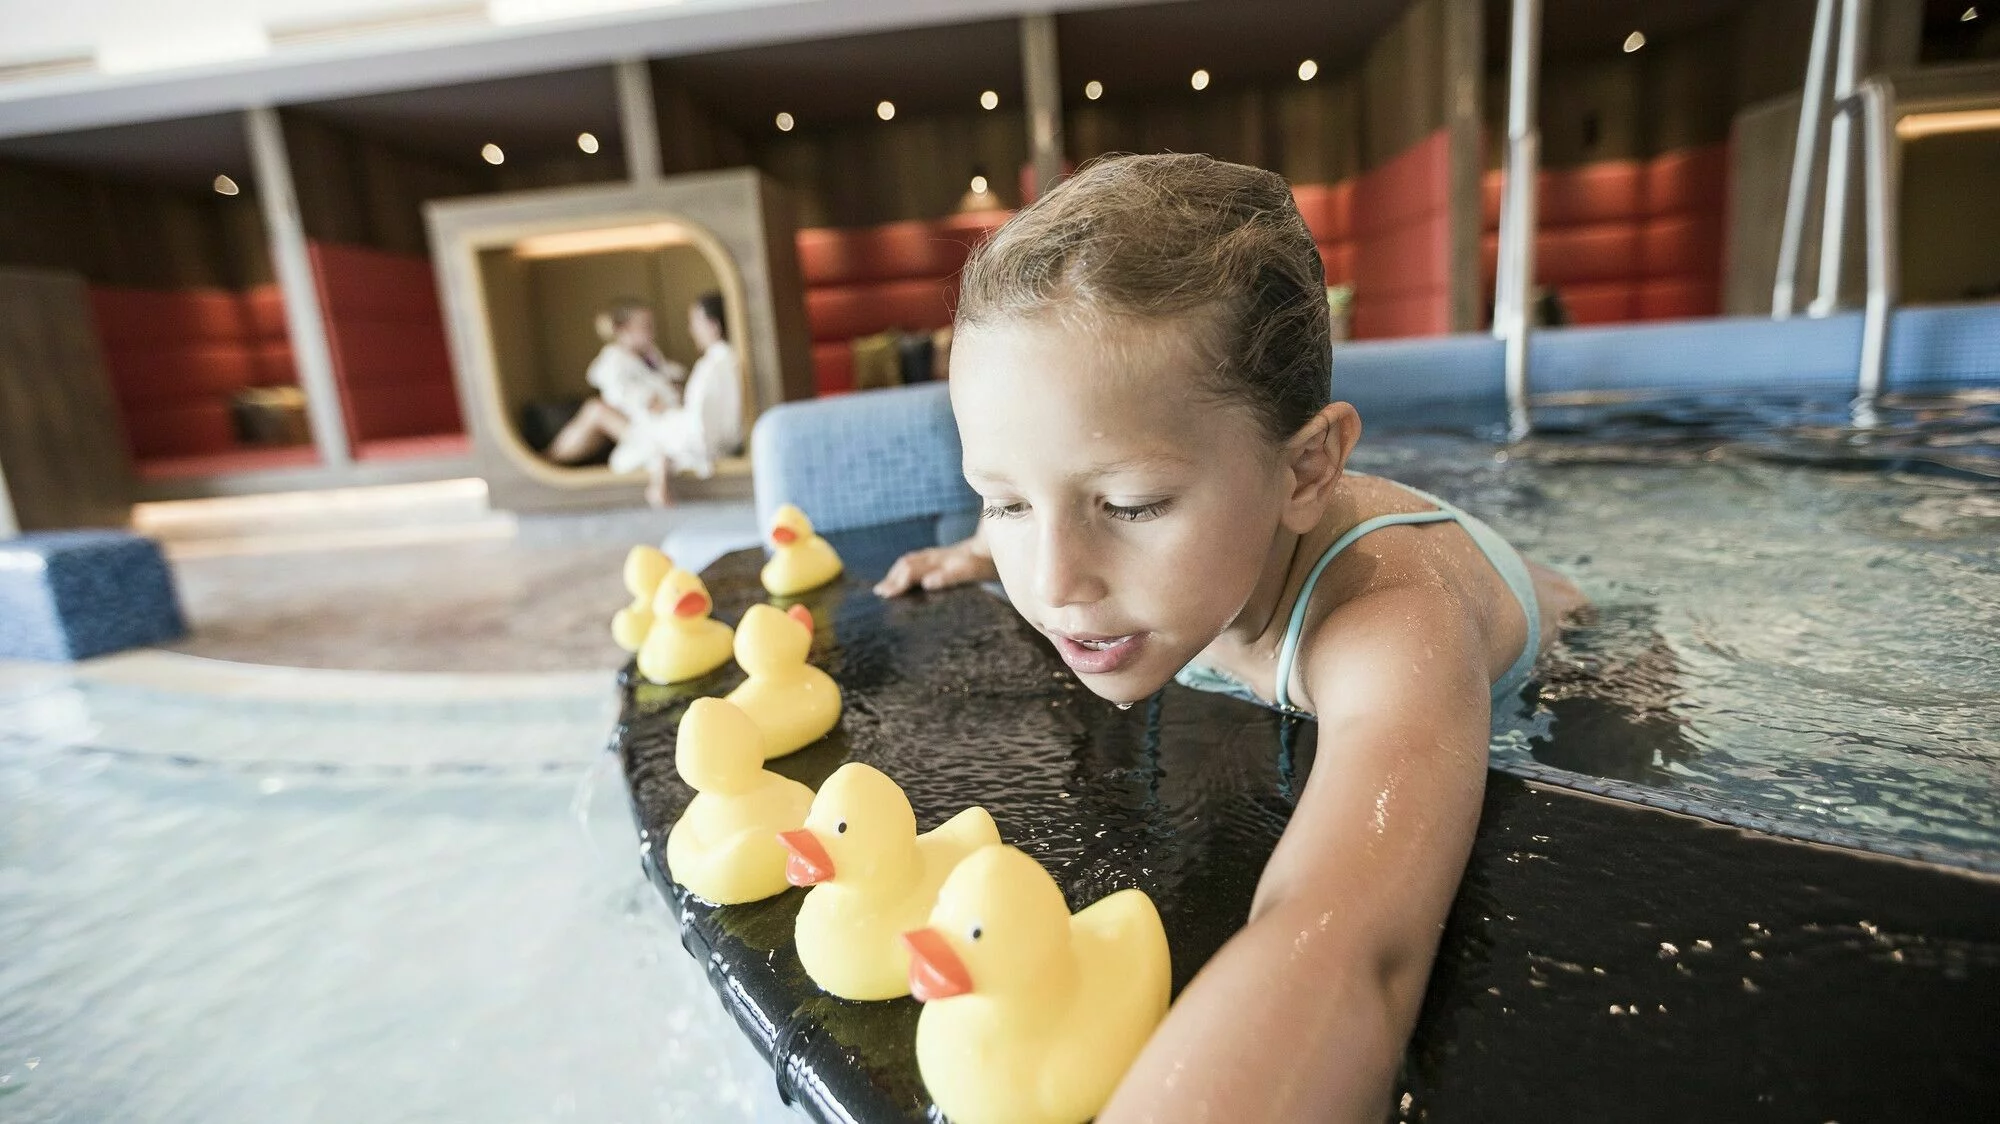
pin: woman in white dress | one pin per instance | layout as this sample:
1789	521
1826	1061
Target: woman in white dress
706	426
632	380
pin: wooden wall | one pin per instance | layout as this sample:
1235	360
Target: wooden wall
115	232
65	463
362	191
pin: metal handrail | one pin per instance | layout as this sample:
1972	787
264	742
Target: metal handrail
1875	99
1805	153
1512	300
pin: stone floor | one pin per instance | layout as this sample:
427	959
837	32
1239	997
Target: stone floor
475	592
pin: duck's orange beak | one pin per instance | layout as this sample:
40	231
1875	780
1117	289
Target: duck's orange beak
936	972
809	864
784	536
693	603
802	615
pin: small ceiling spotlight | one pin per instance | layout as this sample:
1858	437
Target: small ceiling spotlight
989	100
885	109
1308	70
1093	89
587	142
1199	79
1634	41
1968	15
785	122
492	154
979	185
226	186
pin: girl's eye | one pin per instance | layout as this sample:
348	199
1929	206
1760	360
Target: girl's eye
1139	513
1003	510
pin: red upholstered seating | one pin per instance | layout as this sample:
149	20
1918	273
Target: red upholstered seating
387	337
1626	239
1401	244
833	368
174	357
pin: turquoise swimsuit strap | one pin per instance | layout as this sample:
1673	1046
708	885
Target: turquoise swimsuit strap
1288	650
1504	558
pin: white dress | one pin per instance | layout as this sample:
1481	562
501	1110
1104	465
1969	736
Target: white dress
707	426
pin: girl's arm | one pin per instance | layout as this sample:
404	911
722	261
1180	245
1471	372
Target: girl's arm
1305	1013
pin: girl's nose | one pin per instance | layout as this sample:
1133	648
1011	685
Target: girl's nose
1066	569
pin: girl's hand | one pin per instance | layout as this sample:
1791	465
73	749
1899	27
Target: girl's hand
939	567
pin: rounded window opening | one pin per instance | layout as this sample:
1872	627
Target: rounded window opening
618	348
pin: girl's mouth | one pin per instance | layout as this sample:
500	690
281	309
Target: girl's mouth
1098	655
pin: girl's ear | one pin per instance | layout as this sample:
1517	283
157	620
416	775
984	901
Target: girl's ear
1317	456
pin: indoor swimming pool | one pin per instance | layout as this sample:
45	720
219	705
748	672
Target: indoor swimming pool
222	908
217	909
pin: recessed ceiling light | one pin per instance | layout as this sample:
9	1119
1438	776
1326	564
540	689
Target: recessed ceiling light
492	154
1199	79
785	122
885	109
226	186
1308	70
587	142
1093	89
1968	15
1634	41
989	100
979	185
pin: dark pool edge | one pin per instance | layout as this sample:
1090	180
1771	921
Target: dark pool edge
1626	792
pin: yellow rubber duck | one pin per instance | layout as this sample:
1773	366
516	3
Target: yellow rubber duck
1031	1015
801	560
725	845
873	879
793	702
684	642
645	567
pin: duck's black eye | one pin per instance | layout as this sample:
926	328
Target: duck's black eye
840	828
976	932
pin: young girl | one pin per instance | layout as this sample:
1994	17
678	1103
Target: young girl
1140	378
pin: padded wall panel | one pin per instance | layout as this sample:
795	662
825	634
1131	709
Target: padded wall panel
1682	245
1402	244
1409	188
1327	208
178	373
1417	313
1338	259
1602	302
1694	179
1682	298
386	334
833	368
1607	191
1599	252
166	315
844	312
183	429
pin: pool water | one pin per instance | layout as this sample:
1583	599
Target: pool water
217	911
1808	650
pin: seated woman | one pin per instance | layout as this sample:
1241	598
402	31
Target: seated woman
706	426
632	379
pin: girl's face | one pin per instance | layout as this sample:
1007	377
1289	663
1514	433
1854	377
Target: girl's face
1130	514
704	331
637	331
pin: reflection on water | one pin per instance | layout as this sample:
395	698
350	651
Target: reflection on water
385	914
1807	649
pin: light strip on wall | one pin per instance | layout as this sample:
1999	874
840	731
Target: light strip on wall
649	236
1959	121
508	13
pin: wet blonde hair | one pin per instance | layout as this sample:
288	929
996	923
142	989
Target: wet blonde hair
616	315
1217	248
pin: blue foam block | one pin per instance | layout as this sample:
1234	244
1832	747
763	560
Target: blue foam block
71	595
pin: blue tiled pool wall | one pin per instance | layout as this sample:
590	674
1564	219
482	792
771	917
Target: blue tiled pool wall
1458	382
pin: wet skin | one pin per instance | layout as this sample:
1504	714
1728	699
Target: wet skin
1141	521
